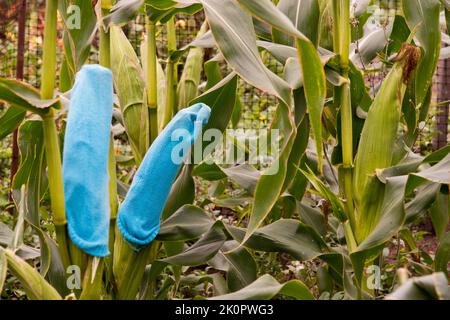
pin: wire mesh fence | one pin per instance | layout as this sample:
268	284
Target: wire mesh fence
258	106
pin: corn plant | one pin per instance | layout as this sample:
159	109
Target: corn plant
340	144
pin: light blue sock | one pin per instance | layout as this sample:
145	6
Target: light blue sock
139	215
85	160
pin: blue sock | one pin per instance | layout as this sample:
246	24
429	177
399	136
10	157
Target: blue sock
85	160
139	215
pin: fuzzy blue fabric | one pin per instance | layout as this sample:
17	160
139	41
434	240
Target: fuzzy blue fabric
139	215
85	159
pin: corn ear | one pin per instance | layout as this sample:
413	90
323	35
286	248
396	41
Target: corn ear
128	267
190	78
130	87
378	140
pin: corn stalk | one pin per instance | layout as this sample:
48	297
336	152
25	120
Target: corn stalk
53	154
341	43
171	74
152	78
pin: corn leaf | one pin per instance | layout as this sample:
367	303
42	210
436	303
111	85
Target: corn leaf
24	96
311	65
77	40
201	251
123	11
3	269
442	257
160	11
439	213
31	168
266	288
239	48
239	265
305	16
10	120
221	98
25	252
430	287
336	203
36	287
187	223
182	192
270	185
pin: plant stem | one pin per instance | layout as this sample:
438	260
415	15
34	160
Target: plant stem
49	51
171	73
105	51
341	42
152	79
105	61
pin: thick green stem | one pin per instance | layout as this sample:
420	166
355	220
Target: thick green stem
341	42
152	78
105	43
171	73
49	51
105	61
170	94
52	151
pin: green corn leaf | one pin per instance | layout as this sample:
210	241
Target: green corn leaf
123	11
304	15
187	223
24	96
425	196
159	11
221	98
25	252
270	185
244	175
10	120
312	217
311	65
31	171
388	225
182	192
442	257
440	214
201	251
438	173
336	203
36	287
3	269
431	287
239	48
209	172
51	264
239	265
266	288
79	28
